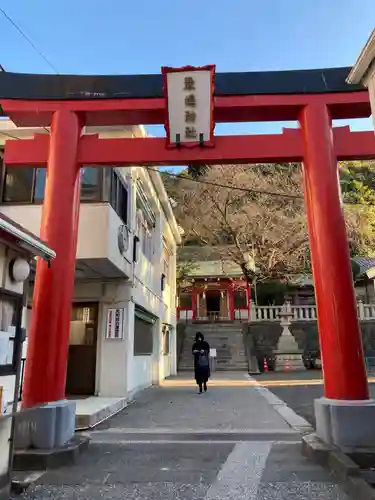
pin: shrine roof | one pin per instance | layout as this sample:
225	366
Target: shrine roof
366	265
215	269
70	87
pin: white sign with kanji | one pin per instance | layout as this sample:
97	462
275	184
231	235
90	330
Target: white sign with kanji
189	98
115	324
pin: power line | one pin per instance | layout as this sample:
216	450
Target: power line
23	34
45	128
245	190
10	136
227	186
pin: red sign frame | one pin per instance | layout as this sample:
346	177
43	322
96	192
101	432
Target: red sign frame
165	70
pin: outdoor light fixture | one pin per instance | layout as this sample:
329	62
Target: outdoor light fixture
19	270
162	283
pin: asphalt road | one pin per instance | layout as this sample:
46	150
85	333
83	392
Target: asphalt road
174	444
299	390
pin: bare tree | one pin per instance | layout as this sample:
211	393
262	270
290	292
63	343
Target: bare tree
264	234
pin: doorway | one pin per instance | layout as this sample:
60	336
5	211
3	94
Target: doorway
80	377
213	303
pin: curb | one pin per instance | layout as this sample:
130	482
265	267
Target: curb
296	422
339	463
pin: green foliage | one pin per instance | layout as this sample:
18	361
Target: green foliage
357	179
271	292
356	269
183	271
197	171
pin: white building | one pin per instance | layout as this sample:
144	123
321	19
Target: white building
17	247
125	270
364	70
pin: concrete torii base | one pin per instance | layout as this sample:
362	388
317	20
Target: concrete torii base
47	427
346	424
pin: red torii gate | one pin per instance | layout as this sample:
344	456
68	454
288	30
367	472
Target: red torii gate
315	143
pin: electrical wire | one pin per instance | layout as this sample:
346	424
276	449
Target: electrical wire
245	190
28	39
227	186
10	136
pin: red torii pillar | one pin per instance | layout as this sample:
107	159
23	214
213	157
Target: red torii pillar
338	324
340	336
45	372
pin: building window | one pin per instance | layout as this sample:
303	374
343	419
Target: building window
18	185
27	185
166	259
186	301
166	341
40	183
91	178
240	299
166	270
143	338
147	247
10	310
145	232
118	197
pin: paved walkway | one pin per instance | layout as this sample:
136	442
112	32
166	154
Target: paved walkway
299	390
172	443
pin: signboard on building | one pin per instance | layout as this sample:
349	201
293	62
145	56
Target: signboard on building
189	94
115	324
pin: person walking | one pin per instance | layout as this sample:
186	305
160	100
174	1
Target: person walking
201	353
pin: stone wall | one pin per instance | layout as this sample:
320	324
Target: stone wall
261	337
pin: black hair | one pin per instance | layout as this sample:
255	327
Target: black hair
199	335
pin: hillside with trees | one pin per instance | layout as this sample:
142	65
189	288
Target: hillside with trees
255	215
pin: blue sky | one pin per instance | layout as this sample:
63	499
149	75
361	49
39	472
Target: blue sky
126	36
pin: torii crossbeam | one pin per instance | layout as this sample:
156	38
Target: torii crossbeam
68	103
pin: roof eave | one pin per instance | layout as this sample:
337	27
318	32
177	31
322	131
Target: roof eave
31	245
364	62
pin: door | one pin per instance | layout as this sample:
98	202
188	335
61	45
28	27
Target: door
213	304
80	378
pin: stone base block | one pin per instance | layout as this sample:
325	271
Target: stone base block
47	427
40	460
289	362
346	424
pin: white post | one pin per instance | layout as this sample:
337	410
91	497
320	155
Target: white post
313	312
253	312
361	310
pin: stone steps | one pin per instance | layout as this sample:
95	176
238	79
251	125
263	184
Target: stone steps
226	339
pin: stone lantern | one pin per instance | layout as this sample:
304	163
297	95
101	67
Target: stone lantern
288	354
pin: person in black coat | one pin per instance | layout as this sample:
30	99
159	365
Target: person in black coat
201	353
